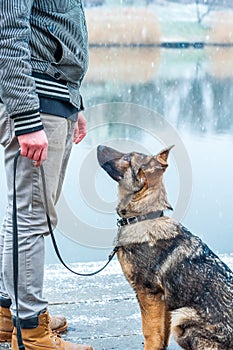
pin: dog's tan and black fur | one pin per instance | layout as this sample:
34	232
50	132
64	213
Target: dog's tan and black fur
181	285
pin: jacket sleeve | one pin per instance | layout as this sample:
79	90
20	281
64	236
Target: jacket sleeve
17	86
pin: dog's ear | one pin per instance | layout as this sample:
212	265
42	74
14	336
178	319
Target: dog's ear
162	156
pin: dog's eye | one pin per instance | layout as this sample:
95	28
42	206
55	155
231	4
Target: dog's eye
126	158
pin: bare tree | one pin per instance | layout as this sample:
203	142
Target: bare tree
210	5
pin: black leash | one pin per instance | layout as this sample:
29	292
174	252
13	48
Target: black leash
110	257
16	256
16	252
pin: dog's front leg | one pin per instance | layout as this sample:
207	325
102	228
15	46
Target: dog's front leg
155	325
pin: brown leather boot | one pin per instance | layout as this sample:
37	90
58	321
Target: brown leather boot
57	324
6	326
42	337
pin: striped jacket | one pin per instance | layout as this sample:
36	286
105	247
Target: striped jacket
40	38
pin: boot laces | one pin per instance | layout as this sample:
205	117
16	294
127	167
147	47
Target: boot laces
55	337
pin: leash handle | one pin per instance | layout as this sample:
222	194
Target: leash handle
16	253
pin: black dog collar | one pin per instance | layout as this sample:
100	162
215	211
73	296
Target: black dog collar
135	219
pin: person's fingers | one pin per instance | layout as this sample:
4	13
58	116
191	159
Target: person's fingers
82	124
79	138
23	149
76	133
31	152
34	146
42	158
37	155
80	129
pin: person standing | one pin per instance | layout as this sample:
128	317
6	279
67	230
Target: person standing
43	60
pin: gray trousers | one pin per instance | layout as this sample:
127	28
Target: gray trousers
32	224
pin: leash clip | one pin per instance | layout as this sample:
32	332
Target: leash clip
119	222
113	252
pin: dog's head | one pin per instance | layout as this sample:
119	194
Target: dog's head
137	174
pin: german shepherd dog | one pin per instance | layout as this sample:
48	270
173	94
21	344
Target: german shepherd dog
182	287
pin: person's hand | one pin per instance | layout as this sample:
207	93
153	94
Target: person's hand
80	129
34	146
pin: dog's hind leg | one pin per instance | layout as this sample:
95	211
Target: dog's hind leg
155	327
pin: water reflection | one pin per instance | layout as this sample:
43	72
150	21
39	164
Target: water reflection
190	86
125	65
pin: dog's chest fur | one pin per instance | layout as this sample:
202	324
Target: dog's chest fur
150	231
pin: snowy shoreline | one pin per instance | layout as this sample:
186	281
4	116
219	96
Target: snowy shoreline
101	310
114	267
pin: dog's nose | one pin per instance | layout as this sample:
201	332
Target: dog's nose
101	154
106	154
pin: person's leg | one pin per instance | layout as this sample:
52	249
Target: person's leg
5	136
58	323
6	326
32	226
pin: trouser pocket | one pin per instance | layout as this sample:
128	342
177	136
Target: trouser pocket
5	126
